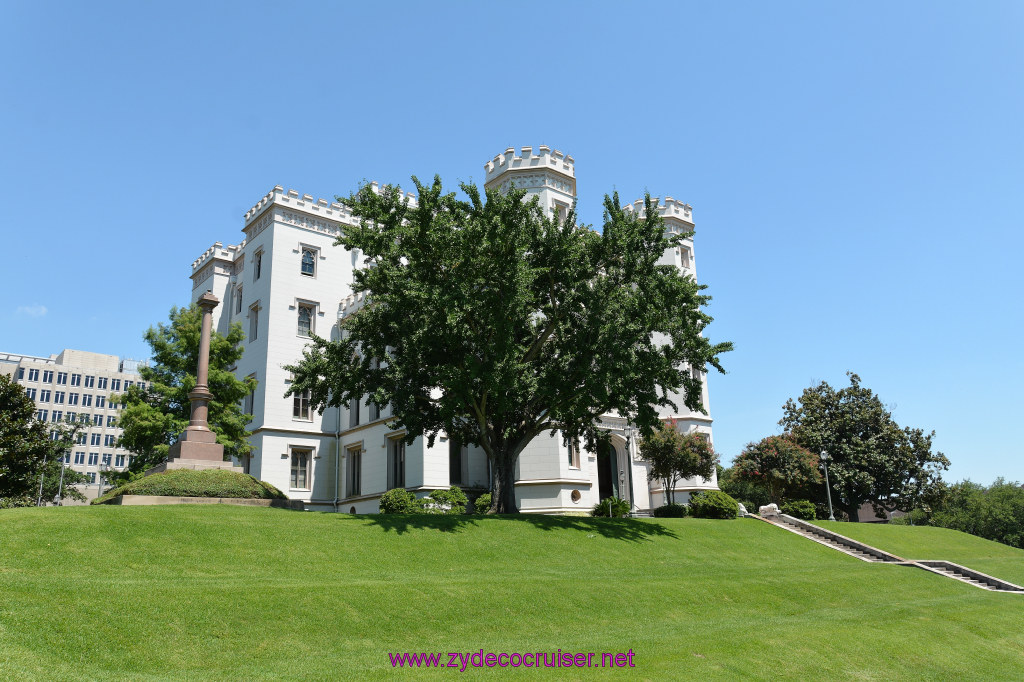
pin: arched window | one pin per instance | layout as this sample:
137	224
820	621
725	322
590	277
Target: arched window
309	262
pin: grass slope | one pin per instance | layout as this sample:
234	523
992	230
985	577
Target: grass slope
221	592
927	542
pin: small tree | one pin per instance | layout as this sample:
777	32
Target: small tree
31	452
154	417
674	456
779	464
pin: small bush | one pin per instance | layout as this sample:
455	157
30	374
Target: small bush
399	501
916	517
202	483
451	501
670	511
482	503
801	509
713	504
614	505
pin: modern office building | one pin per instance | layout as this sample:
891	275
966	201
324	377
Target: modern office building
76	385
285	279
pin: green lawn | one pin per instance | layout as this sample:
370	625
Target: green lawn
219	592
926	542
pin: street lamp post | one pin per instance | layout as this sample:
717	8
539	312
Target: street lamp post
828	488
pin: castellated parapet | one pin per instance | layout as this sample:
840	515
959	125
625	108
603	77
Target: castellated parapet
528	160
218	252
672	208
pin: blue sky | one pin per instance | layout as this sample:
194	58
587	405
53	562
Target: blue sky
856	169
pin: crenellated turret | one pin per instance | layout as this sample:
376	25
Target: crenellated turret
548	175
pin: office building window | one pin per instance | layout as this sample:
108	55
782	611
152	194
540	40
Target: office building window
76	379
111	420
301	458
254	321
119	461
354	472
128	384
86	400
306	312
101	401
300	406
80	438
107	458
33	375
72	398
62	378
308	262
115	384
47	376
108	440
58	397
41	415
396	463
66	458
94	438
79	458
70	417
92	476
90	381
44	395
101	382
56	416
54	435
31	393
21	373
97	420
94	458
257	265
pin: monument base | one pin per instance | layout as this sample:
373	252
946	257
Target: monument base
196	451
195	464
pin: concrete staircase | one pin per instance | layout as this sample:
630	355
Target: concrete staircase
864	552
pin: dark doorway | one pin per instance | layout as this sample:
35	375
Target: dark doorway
607	471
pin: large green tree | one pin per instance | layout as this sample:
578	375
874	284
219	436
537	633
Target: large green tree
779	464
31	452
154	417
494	322
674	456
871	459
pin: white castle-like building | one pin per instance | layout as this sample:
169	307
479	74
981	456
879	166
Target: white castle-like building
286	279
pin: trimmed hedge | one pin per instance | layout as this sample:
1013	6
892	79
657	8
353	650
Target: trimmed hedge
713	504
204	483
482	503
670	511
801	509
399	501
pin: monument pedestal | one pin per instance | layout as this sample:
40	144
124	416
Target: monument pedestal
196	449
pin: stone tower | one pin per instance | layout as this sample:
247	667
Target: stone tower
548	175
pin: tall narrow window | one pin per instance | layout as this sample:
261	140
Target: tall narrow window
238	301
300	468
396	463
353	412
457	462
354	472
309	262
249	402
305	319
574	455
257	265
300	405
21	373
254	322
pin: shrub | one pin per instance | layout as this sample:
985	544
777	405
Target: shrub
916	517
713	504
202	483
611	506
482	503
670	511
801	509
451	501
399	501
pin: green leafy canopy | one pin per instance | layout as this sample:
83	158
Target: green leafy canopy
154	417
493	322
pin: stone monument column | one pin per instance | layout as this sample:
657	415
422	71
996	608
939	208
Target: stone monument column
197	446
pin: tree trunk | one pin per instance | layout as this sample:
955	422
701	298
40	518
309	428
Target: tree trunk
853	512
503	488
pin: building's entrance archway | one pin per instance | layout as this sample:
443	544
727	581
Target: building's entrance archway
607	471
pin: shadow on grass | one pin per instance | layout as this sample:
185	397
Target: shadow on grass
630	530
